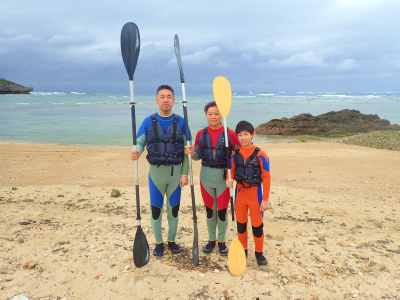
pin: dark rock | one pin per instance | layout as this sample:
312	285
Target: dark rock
344	121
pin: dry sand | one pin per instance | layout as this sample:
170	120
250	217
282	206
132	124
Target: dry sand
332	231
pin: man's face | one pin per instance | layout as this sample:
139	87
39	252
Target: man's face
165	100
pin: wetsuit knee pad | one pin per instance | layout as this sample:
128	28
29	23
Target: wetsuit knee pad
241	227
175	210
155	212
258	231
222	214
209	212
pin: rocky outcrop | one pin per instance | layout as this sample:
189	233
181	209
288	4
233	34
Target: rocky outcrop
9	87
344	121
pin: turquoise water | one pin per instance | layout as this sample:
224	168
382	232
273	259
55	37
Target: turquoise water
104	118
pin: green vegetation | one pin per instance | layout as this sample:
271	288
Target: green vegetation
334	135
115	193
3	81
382	139
379	139
9	87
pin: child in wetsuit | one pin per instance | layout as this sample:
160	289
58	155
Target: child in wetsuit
250	169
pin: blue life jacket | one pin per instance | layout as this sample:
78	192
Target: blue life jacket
165	149
248	171
220	159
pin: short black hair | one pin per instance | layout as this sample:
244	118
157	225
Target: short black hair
210	104
165	87
244	126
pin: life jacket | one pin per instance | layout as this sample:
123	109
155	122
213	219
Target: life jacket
220	159
165	149
248	171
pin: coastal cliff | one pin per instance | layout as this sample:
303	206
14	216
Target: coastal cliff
9	87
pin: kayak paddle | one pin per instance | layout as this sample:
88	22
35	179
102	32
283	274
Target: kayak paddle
223	98
130	48
195	250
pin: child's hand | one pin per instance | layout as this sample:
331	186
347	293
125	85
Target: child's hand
229	183
135	155
189	150
264	206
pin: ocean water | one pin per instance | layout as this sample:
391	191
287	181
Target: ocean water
104	118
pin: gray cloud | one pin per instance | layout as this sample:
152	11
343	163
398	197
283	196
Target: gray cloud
300	60
342	45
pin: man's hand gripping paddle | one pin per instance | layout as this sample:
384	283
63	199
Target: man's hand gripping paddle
195	250
223	98
130	48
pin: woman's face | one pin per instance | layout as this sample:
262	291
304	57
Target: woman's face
214	118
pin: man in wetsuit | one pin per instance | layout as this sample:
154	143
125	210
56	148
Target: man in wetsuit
164	136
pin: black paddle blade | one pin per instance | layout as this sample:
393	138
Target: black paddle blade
130	47
141	252
178	57
195	250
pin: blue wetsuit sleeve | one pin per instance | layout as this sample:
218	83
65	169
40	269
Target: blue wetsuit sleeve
265	161
266	175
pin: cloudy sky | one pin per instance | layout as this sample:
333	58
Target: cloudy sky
259	46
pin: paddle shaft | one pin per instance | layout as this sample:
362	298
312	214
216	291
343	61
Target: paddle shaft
133	117
223	98
196	234
236	254
228	156
141	252
188	143
195	250
185	116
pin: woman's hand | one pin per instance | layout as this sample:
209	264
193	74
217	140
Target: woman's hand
189	150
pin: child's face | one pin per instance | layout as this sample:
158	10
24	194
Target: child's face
245	138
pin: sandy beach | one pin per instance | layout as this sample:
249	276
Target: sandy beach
332	231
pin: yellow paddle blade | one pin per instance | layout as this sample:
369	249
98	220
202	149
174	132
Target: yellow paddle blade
236	258
222	95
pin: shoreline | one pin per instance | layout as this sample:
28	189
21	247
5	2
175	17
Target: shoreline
379	139
331	231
